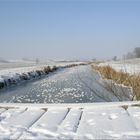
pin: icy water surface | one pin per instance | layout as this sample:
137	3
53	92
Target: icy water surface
71	85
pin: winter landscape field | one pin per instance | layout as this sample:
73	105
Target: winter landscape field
69	69
73	91
76	94
77	83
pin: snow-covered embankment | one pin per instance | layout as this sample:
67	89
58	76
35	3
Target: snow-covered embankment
110	80
16	76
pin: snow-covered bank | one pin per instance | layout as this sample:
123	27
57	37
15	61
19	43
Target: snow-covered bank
129	73
16	75
14	78
115	82
121	91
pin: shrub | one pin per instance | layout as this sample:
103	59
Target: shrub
1	85
47	69
54	68
72	65
24	76
38	72
82	64
31	74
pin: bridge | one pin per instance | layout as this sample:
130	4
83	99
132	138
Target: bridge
115	120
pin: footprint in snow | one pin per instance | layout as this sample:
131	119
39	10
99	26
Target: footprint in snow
113	116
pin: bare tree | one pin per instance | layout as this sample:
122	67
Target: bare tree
137	52
130	55
114	58
37	60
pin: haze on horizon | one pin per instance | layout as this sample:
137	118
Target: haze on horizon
68	29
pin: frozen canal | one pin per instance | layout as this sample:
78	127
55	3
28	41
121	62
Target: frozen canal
71	85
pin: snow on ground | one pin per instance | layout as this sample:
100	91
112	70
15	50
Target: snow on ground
12	68
65	121
131	66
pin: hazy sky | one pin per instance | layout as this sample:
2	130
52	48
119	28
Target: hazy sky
71	29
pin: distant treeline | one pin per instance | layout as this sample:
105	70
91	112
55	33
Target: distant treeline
134	54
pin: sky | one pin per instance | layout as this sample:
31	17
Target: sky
58	29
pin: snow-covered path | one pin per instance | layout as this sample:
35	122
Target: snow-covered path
72	85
